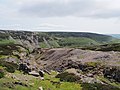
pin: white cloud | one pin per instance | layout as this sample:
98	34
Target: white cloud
69	15
80	8
61	8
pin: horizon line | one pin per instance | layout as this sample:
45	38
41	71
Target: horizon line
52	30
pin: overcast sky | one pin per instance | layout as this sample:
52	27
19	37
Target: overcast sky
98	16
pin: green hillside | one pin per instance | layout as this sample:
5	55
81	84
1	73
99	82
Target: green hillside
55	39
74	39
77	42
97	37
105	47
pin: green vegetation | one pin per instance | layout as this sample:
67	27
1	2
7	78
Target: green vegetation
73	39
32	83
97	37
69	42
105	47
6	42
68	77
97	86
50	83
2	73
54	43
8	49
93	64
105	80
9	66
43	45
58	39
114	41
76	42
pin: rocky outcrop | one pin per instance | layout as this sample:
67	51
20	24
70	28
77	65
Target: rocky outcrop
112	73
90	63
29	40
34	73
64	58
24	67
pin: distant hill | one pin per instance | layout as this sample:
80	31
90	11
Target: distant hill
94	36
116	35
32	40
75	39
105	47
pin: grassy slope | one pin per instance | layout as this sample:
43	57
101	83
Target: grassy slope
58	39
105	47
34	83
94	36
7	83
73	39
69	42
76	42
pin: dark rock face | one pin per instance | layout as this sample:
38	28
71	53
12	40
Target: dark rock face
24	68
27	70
112	73
20	83
41	73
69	77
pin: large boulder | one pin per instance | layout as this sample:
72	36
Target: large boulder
24	67
112	73
41	73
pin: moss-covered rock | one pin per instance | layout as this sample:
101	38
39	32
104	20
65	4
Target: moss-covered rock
112	73
88	86
2	73
68	77
9	66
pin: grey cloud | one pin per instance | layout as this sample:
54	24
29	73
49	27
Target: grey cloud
107	14
79	8
58	9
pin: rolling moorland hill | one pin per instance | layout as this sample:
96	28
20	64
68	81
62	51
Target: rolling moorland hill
54	39
94	36
78	39
115	35
71	61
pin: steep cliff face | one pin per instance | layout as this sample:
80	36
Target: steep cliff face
24	38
